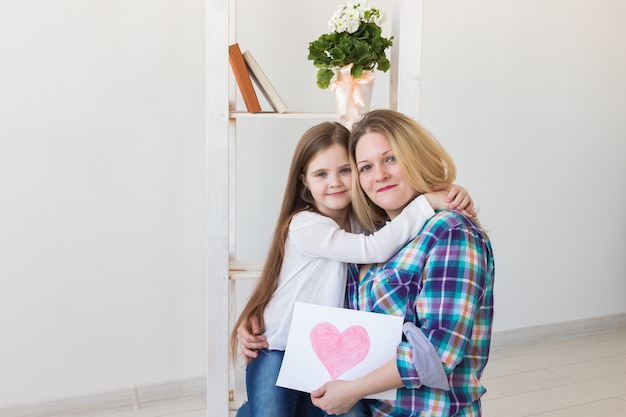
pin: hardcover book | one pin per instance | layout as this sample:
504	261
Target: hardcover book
242	77
264	84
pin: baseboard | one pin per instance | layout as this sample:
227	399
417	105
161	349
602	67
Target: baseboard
557	331
133	398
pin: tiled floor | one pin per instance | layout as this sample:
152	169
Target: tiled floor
575	377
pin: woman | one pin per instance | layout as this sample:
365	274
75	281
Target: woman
441	282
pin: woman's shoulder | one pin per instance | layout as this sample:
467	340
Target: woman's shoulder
446	220
449	216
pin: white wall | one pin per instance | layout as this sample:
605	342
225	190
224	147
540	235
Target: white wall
102	261
102	226
529	98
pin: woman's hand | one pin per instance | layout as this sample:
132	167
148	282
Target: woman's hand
335	397
338	397
452	197
251	339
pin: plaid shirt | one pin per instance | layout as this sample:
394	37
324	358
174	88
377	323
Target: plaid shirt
443	282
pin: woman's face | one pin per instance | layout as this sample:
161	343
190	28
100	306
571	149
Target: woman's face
380	175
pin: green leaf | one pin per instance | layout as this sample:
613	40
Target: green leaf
323	77
357	71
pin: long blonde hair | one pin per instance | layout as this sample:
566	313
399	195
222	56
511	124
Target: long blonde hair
296	198
422	159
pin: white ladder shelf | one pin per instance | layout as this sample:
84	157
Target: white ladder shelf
221	119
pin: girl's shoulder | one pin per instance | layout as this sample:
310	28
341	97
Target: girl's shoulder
306	217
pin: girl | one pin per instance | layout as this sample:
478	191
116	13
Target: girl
307	259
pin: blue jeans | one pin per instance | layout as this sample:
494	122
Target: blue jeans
265	399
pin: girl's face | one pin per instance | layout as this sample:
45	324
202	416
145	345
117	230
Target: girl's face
380	175
329	177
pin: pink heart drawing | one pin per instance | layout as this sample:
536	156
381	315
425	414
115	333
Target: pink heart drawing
339	352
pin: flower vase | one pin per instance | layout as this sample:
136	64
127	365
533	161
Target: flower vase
353	96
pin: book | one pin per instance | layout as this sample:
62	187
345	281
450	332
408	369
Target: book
243	78
264	84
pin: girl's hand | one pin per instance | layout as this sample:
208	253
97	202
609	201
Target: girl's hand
251	339
453	197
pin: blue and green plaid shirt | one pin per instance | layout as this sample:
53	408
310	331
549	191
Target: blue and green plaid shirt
443	282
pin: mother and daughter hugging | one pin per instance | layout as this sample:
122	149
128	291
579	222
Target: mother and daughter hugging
372	221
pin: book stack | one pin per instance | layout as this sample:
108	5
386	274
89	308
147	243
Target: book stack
246	69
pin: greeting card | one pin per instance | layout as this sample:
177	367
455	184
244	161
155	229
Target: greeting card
327	343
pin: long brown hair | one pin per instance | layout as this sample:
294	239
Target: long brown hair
296	198
422	159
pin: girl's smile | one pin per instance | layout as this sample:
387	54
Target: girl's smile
329	179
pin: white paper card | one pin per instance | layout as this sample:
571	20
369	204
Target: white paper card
327	343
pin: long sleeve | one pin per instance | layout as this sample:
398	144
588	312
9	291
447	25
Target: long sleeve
455	279
320	236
